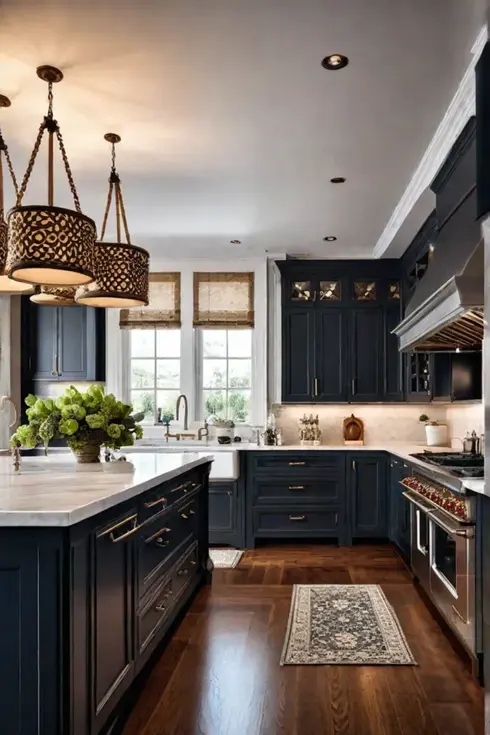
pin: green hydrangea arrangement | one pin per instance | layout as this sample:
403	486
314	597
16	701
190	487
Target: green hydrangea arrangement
79	417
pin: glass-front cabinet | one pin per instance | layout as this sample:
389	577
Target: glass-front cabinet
338	319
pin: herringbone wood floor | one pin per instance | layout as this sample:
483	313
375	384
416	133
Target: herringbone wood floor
220	673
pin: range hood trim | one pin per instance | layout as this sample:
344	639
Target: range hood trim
452	300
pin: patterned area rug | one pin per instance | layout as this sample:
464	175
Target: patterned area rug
343	624
225	558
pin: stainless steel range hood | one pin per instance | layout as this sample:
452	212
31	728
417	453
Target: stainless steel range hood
446	310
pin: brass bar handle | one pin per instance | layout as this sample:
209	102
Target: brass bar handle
155	536
296	487
297	518
161	605
353	386
152	503
54	371
354	466
108	531
315	383
296	464
184	516
180	487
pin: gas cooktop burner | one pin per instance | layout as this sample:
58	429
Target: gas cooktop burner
452	459
457	464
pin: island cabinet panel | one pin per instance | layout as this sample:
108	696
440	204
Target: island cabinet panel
368	497
224	514
84	607
113	652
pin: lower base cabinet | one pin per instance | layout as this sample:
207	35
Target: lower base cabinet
223	514
85	607
368	495
399	507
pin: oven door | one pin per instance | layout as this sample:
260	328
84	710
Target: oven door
452	573
419	537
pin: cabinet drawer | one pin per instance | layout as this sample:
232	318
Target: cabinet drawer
287	463
296	522
186	514
298	491
154	613
168	493
185	568
156	544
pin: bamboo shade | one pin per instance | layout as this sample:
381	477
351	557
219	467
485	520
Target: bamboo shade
163	310
223	300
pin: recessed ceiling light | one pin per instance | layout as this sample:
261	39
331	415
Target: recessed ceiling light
338	180
236	242
334	62
330	238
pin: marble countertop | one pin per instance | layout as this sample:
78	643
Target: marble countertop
402	450
51	491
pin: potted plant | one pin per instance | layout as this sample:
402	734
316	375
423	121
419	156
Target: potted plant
87	420
435	431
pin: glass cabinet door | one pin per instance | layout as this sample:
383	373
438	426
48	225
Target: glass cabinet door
301	291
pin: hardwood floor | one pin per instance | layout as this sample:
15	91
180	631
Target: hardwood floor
220	673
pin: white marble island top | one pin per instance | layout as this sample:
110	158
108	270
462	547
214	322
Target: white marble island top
50	491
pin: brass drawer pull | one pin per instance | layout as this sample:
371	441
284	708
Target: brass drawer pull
110	531
182	571
161	607
152	503
180	487
183	515
157	535
297	518
296	464
296	487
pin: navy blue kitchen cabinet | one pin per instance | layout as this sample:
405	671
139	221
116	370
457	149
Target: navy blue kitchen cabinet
367	355
86	607
367	494
399	506
337	320
330	380
295	495
225	514
298	354
62	343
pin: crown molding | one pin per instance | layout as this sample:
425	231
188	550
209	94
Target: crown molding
462	107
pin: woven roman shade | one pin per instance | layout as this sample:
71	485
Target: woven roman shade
223	300
163	310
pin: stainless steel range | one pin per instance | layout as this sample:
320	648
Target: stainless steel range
443	536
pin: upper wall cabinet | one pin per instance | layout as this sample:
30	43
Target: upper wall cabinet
65	343
337	318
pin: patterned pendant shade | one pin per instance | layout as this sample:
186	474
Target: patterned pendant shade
50	245
121	269
54	296
7	286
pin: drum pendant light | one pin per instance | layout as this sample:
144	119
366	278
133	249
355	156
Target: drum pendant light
121	269
54	296
48	245
7	286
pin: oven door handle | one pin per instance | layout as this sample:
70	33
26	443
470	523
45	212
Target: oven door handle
455	529
411	496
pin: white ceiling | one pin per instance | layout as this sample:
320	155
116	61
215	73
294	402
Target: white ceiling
231	128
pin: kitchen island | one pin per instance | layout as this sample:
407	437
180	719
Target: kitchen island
95	568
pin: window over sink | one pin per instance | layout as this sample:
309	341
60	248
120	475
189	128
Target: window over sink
155	372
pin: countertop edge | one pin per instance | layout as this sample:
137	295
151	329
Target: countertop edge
65	519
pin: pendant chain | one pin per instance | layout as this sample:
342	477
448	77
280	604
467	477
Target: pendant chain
49	124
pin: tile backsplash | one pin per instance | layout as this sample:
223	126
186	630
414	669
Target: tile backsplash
382	422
